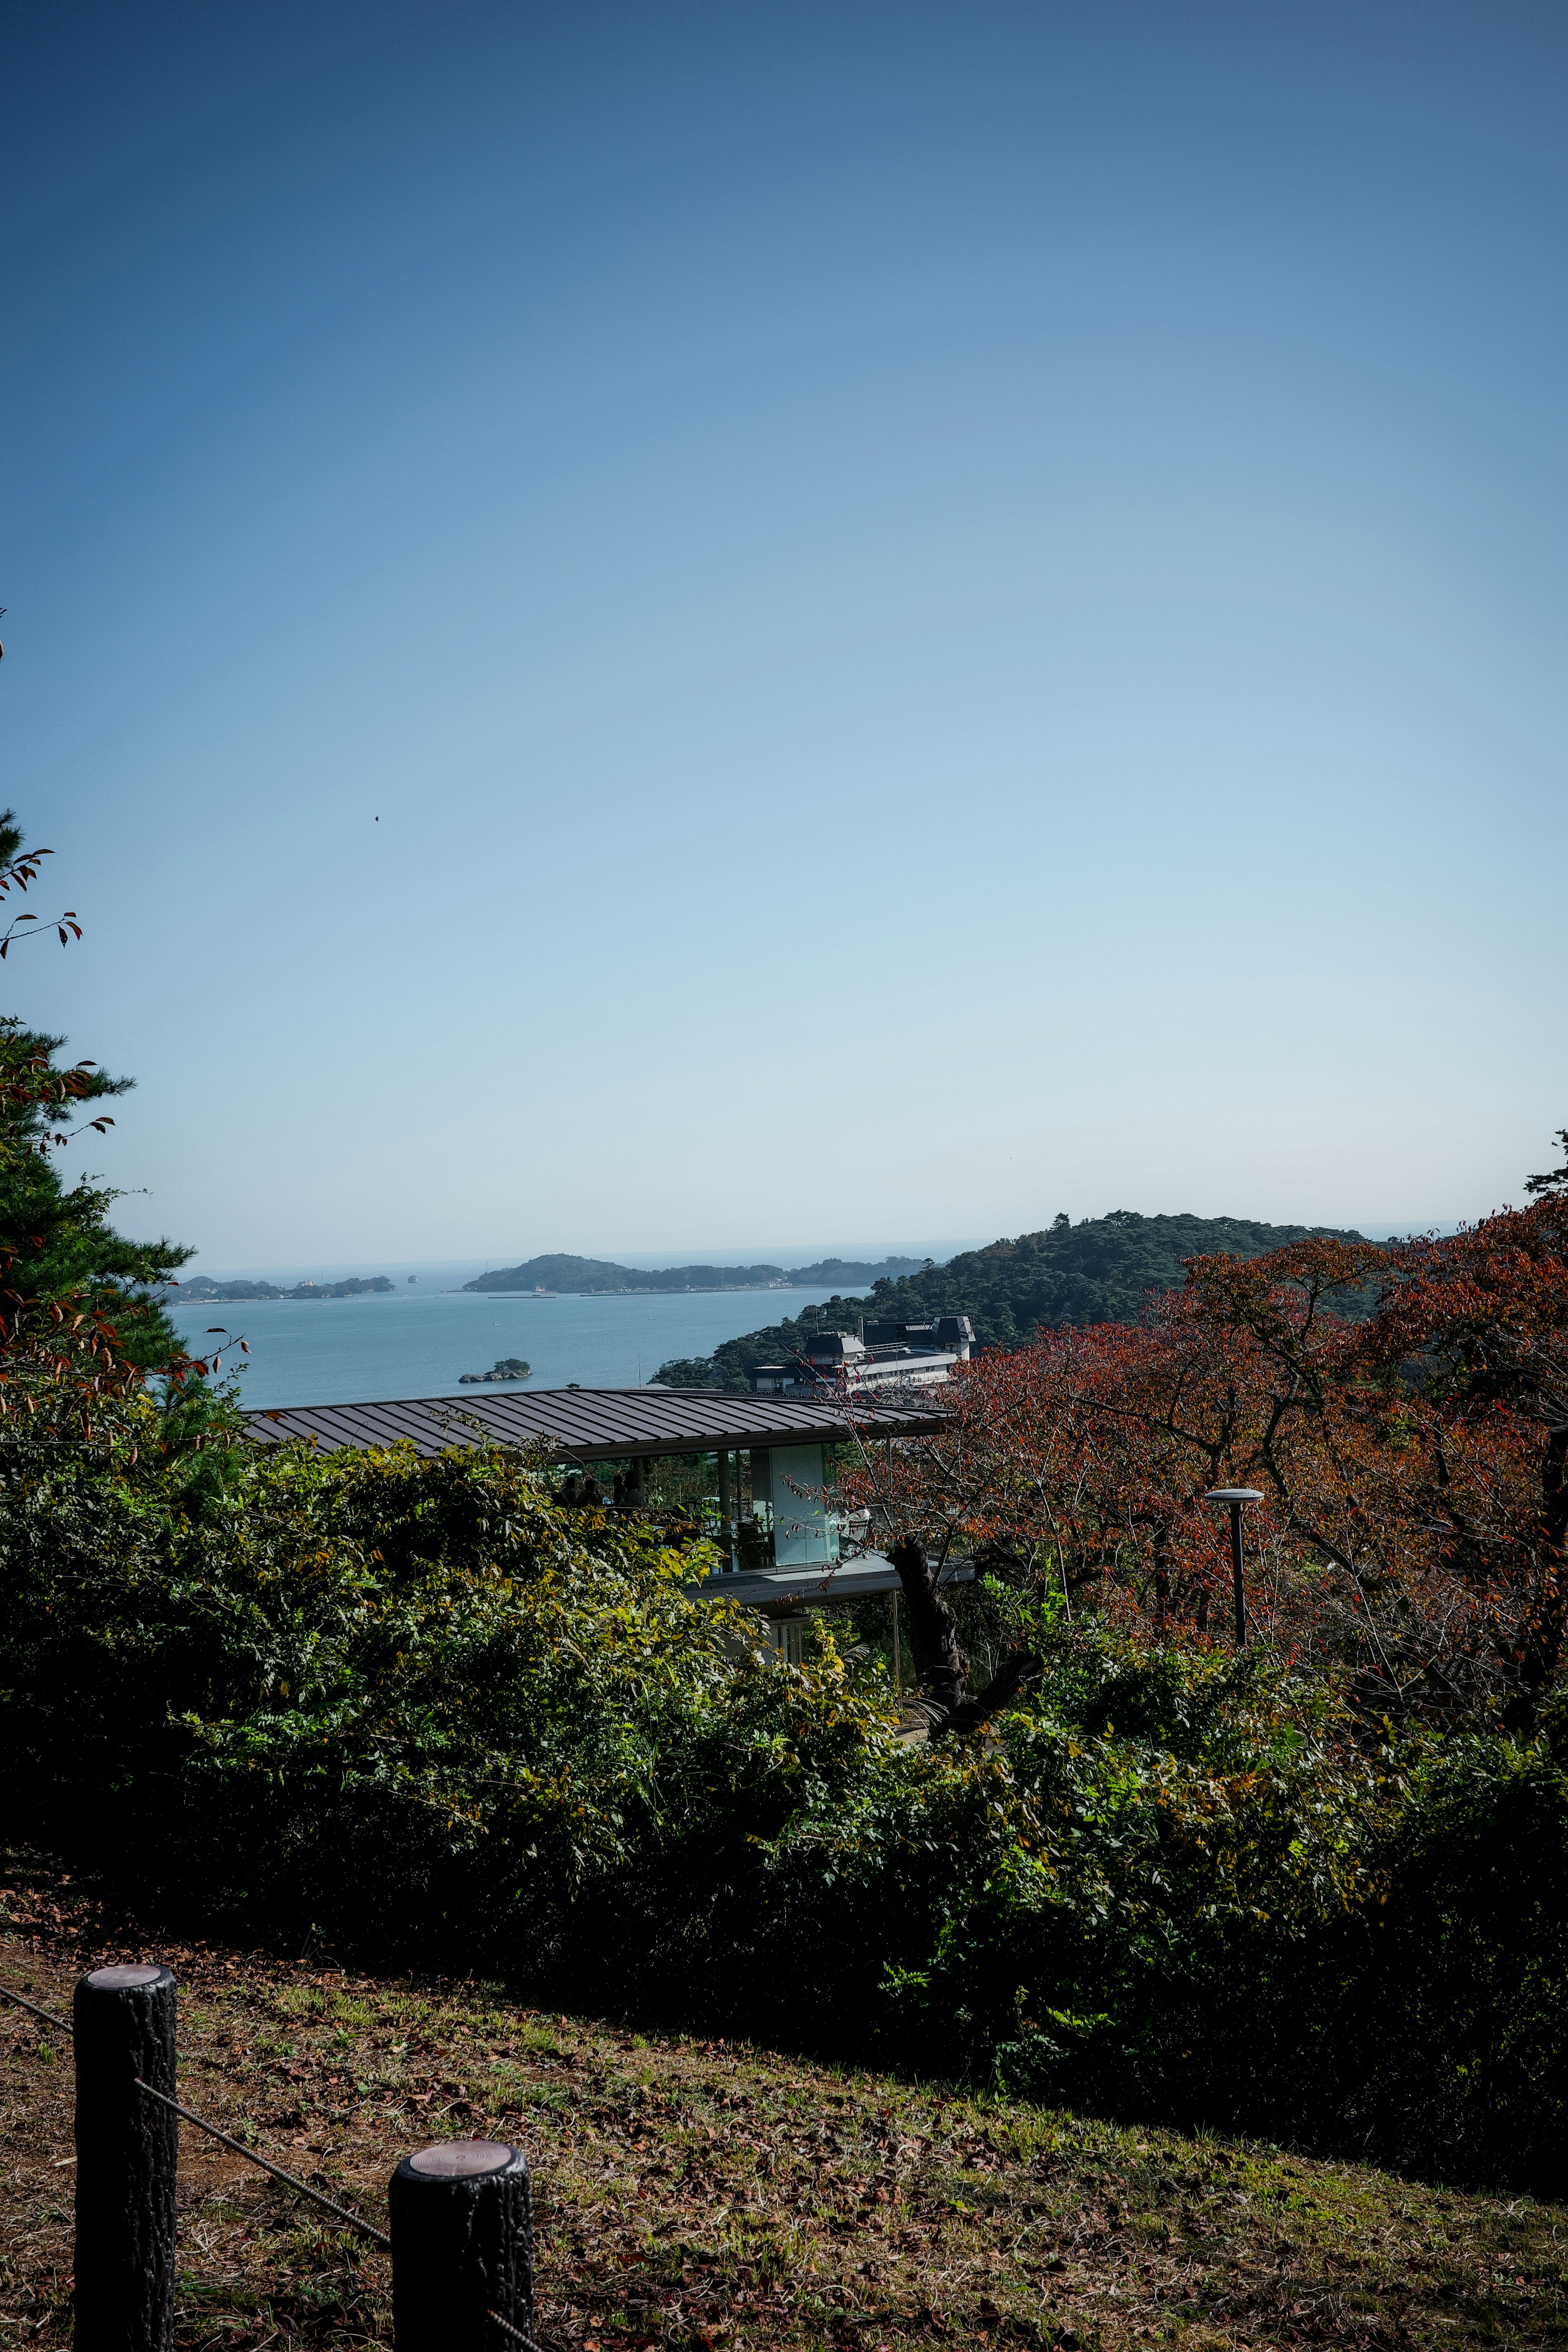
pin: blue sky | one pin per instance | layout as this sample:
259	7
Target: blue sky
652	626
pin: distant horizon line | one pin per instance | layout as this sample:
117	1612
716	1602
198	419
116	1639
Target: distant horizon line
789	1258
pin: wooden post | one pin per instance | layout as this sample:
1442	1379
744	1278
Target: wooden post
127	2146
462	2245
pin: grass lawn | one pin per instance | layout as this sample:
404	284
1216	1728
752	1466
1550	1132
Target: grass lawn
705	2194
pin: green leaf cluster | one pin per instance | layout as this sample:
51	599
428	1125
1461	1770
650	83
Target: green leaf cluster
56	1237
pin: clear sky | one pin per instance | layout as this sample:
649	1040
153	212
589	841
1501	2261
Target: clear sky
644	626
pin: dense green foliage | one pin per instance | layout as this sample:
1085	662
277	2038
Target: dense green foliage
426	1711
563	1271
57	1244
58	1236
1097	1272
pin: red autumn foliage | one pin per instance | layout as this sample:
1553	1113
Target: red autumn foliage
1411	1461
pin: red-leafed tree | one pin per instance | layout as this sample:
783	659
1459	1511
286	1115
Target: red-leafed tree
1475	1329
1411	1462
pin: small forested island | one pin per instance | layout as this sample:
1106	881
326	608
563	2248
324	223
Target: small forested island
505	1368
203	1292
560	1271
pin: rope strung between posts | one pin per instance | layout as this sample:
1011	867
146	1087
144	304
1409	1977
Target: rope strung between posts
47	2014
515	2333
291	2180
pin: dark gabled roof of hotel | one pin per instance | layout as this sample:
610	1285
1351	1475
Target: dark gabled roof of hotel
593	1424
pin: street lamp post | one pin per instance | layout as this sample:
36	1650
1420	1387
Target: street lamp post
1236	1497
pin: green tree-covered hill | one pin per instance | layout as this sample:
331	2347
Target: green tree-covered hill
561	1271
1097	1272
201	1291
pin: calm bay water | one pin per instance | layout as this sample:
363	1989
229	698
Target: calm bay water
418	1342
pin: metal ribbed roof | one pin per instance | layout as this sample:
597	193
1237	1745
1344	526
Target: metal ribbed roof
782	1589
591	1424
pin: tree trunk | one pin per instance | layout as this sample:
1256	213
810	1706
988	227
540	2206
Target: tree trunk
1554	1487
940	1659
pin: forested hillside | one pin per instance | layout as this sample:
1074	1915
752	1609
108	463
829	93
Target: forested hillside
1100	1271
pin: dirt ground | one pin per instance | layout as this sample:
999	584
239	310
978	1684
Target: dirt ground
693	2194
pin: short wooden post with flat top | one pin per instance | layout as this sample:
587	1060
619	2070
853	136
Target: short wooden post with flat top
462	2246
127	2148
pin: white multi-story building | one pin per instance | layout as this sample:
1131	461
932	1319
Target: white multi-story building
884	1356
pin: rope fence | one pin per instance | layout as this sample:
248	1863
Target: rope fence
462	2239
515	2333
47	2014
292	2180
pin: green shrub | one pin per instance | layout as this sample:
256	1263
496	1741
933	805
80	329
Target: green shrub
419	1711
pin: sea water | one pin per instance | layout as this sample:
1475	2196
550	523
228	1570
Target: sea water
418	1341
